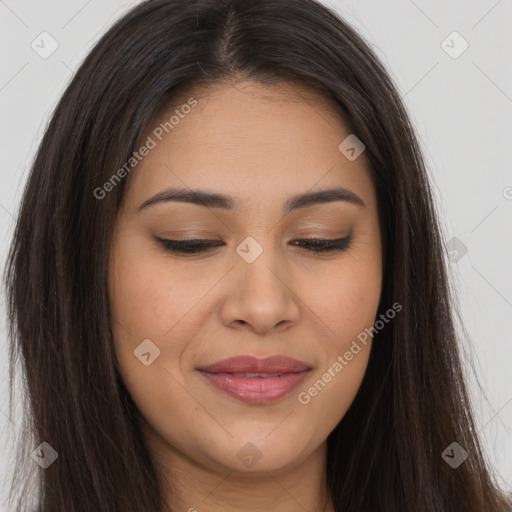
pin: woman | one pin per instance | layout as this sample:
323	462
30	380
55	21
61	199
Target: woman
227	283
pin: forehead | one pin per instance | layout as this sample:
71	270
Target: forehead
250	140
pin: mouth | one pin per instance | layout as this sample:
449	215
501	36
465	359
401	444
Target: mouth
256	381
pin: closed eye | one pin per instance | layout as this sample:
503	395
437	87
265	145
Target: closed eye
196	246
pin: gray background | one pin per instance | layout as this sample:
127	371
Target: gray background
461	108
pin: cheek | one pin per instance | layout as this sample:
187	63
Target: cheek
346	299
150	301
147	303
347	304
140	291
147	291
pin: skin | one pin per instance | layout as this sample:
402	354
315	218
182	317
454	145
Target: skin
260	145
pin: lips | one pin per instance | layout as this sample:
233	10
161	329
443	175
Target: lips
253	380
249	364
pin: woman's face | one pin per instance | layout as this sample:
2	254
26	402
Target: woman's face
256	292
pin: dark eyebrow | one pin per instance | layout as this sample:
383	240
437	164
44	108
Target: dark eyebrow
214	200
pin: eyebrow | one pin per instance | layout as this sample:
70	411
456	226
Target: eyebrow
215	200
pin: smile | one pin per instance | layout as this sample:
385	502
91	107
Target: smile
253	380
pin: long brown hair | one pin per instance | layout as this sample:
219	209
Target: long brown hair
386	452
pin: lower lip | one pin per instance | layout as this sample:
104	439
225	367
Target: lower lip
256	390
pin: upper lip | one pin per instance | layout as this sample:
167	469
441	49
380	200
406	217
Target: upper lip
250	364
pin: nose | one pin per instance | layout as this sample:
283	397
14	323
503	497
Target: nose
260	296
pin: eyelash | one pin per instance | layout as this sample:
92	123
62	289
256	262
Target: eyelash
197	246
